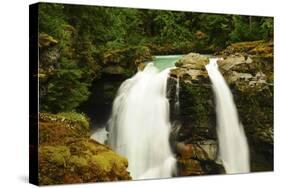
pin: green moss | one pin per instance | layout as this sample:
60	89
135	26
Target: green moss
55	154
68	155
261	48
101	163
63	127
75	117
83	160
78	161
194	99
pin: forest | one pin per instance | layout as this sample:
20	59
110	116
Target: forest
84	33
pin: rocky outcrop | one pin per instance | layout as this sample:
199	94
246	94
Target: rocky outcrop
193	137
124	62
257	48
248	70
68	155
251	80
190	68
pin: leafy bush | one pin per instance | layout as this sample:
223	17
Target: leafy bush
65	90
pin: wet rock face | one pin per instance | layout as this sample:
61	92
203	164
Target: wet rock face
251	81
249	73
193	137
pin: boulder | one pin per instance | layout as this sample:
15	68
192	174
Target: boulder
191	68
193	61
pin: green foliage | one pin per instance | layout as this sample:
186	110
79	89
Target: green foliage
217	28
65	90
51	19
267	28
106	27
250	28
84	34
173	26
198	110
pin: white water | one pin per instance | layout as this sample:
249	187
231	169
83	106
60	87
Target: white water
233	146
100	135
139	125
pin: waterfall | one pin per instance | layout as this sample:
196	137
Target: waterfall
233	146
100	135
139	126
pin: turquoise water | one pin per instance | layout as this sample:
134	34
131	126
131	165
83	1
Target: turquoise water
165	61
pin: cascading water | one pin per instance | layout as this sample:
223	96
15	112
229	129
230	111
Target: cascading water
100	135
139	126
233	146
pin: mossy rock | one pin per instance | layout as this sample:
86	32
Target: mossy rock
191	69
57	128
57	155
193	61
197	109
68	155
261	48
